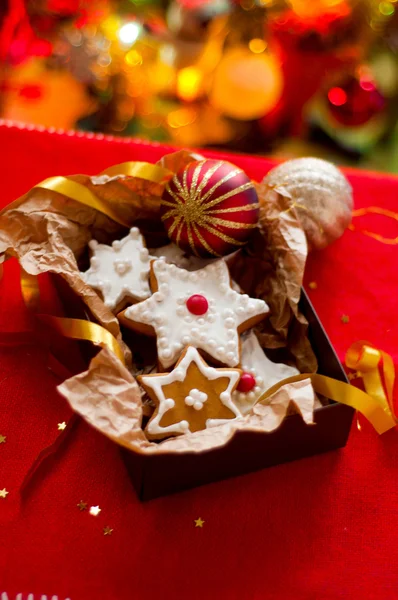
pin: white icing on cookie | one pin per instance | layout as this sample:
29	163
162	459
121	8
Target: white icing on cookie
265	372
120	271
174	255
215	332
157	382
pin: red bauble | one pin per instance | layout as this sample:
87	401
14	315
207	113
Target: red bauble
246	383
355	101
209	208
197	305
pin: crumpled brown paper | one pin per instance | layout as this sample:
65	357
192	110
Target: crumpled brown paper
108	397
49	233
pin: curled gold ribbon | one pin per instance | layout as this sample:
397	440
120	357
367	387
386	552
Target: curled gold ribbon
375	210
79	329
375	404
80	193
367	360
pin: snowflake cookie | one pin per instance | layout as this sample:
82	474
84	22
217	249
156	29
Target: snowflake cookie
197	309
192	397
121	271
259	374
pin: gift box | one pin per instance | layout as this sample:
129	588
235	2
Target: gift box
163	473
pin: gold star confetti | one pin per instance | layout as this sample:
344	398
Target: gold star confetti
355	375
3	493
198	522
82	505
345	319
94	510
2	439
62	426
107	530
312	285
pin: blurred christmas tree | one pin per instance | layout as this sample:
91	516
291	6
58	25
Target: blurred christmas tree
291	77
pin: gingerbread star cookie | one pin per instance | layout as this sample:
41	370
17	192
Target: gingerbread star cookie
121	271
192	397
196	308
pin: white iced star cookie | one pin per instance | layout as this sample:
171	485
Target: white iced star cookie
194	309
259	373
121	271
192	397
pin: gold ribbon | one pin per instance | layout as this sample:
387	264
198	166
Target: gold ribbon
367	361
79	329
143	170
375	404
80	193
375	210
30	291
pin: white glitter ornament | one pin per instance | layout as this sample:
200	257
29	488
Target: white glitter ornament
322	197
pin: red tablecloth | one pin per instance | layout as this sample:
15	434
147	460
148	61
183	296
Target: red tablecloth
320	528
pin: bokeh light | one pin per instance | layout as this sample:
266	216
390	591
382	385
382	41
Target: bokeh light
129	33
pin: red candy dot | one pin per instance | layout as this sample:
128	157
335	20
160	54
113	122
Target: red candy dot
246	383
197	304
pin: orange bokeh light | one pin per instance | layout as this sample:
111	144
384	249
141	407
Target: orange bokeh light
189	82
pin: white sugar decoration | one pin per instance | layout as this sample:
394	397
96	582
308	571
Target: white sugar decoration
196	399
157	382
215	331
265	372
121	271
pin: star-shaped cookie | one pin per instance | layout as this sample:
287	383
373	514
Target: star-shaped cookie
197	309
121	271
192	397
264	374
259	373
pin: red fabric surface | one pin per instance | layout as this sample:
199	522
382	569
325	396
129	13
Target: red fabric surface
321	528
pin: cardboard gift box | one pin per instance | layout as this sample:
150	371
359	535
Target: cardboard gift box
155	475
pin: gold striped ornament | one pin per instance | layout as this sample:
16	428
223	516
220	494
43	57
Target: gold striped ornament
209	208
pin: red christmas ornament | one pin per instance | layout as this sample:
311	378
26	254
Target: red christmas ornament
356	101
209	208
197	304
246	383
